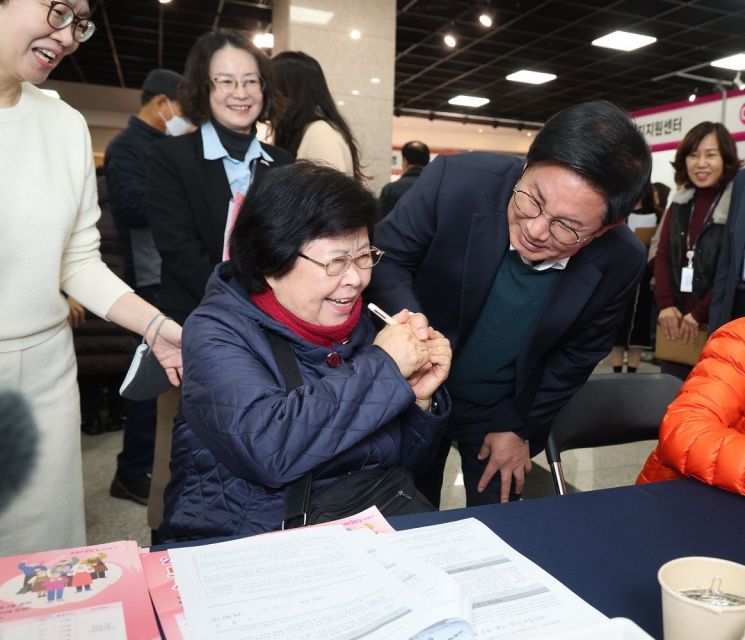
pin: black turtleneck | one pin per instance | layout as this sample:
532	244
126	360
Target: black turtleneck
235	143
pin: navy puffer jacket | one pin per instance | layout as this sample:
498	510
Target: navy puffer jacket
240	436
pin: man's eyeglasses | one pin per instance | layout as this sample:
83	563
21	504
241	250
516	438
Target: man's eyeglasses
61	16
528	207
337	266
227	84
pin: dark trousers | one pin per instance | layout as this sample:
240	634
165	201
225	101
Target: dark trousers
136	457
675	368
429	482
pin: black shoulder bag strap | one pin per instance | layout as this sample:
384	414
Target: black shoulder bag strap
297	494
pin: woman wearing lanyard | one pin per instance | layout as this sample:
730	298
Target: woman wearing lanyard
691	237
192	182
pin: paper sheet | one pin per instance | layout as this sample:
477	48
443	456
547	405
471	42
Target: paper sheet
512	597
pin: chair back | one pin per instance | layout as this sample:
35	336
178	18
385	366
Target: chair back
609	409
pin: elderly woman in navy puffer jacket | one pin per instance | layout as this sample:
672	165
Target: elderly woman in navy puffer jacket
300	258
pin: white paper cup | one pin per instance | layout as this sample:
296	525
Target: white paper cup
687	619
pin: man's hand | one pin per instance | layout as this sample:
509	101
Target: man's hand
76	317
670	319
689	328
509	454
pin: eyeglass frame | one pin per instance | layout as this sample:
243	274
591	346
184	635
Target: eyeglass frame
551	219
380	253
75	20
237	83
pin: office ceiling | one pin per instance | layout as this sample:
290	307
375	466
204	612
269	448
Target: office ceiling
552	36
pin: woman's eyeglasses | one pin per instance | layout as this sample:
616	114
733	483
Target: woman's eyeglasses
337	266
227	84
61	16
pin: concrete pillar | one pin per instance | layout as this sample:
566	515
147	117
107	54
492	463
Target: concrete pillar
360	72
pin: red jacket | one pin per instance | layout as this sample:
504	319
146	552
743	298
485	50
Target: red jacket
703	432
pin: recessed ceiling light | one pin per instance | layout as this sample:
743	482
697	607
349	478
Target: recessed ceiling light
468	101
264	40
486	20
355	34
624	40
531	77
375	80
340	103
736	62
165	1
307	15
692	98
480	130
449	40
355	92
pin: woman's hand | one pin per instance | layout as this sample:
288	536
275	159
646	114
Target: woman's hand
689	328
426	380
401	343
670	319
167	349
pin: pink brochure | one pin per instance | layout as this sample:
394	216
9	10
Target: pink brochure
96	591
234	206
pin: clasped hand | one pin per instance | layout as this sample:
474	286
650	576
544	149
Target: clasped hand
423	355
677	326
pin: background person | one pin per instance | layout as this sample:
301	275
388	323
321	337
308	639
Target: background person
414	157
300	260
525	269
705	163
49	245
125	164
703	432
309	125
193	182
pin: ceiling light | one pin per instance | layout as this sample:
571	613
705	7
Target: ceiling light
692	97
468	101
306	15
51	93
486	19
531	77
739	82
165	1
736	62
355	34
264	40
624	40
375	80
340	103
450	40
355	92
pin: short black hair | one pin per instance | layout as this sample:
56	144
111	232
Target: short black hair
601	143
727	149
416	153
194	91
289	207
146	98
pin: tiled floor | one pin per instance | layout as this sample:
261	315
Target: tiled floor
112	519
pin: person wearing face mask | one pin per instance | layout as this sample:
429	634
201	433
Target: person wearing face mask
125	164
691	237
193	182
48	249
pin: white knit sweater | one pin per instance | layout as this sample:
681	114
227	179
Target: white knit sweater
48	213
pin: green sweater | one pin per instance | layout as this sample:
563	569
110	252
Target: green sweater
483	371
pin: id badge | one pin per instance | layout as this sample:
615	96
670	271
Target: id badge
686	280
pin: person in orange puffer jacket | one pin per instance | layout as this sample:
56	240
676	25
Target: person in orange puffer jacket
703	432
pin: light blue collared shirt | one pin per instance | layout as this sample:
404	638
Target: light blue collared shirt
240	173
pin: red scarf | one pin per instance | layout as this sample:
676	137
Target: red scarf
314	333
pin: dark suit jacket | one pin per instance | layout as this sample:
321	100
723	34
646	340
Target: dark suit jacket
444	243
187	204
729	267
390	193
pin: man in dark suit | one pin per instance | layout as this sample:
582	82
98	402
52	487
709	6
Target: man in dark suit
527	271
728	298
414	157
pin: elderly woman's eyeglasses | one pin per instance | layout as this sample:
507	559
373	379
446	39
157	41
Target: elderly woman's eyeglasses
529	208
337	266
228	84
61	16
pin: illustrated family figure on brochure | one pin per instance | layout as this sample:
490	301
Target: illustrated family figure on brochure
53	579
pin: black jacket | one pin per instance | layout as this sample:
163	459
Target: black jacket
444	243
187	198
390	193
